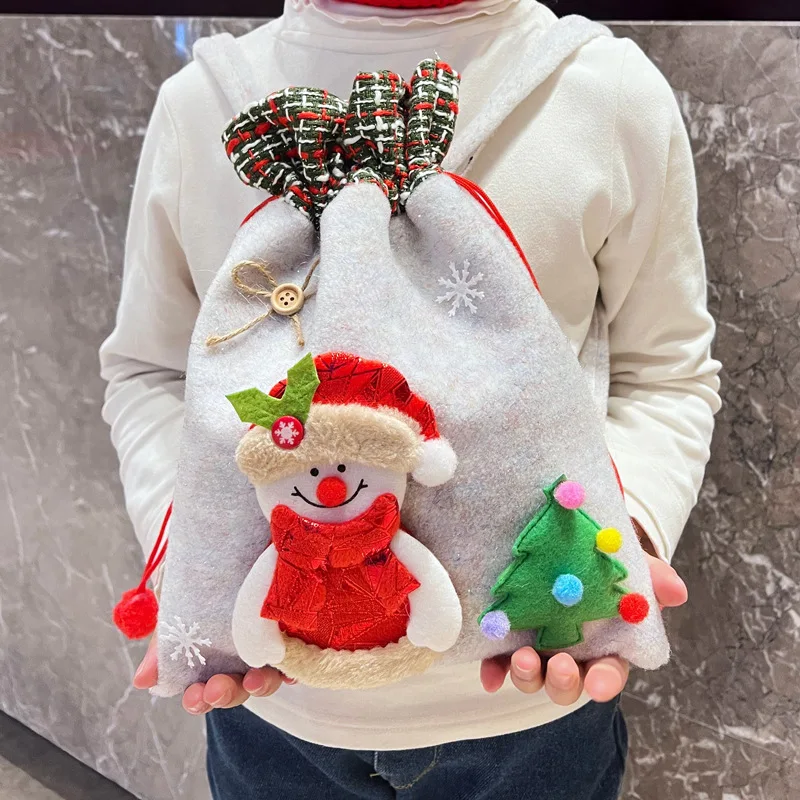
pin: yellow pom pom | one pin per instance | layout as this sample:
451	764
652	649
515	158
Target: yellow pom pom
609	540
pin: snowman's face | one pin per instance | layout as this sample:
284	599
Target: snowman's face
332	492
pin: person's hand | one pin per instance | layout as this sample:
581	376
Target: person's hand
562	678
221	691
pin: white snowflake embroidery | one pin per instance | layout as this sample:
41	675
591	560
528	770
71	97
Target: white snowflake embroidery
187	643
461	289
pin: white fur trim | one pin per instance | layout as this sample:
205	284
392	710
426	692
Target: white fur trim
258	641
334	433
435	620
436	464
354	669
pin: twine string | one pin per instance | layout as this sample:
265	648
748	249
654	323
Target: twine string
248	288
258	290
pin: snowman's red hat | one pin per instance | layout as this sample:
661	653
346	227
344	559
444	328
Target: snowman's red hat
362	411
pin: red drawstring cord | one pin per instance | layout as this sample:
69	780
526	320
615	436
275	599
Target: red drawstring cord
495	214
136	614
616	475
156	554
258	208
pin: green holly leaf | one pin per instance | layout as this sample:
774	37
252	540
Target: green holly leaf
253	406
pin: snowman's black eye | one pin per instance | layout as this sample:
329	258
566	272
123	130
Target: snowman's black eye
341	467
314	471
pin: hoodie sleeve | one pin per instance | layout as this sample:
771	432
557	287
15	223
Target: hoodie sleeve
144	358
664	385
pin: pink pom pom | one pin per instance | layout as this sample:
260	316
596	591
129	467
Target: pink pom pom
570	495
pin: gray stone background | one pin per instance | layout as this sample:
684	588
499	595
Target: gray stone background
720	723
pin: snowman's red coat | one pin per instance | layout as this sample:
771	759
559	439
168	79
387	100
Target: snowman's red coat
339	585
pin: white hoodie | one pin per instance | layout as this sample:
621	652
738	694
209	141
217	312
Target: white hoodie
594	174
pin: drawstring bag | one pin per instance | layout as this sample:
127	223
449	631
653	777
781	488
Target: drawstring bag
391	457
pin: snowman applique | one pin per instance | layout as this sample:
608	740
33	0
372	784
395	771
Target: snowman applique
342	597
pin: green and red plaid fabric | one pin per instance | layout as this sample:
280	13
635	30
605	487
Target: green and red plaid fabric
432	114
375	132
290	144
305	145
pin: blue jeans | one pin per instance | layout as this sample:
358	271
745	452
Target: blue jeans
578	757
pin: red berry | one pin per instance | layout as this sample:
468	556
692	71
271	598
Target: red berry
136	614
633	608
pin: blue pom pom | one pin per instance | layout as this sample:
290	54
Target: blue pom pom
568	589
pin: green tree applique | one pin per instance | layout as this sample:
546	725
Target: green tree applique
562	575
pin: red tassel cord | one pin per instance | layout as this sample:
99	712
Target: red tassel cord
495	214
616	475
136	614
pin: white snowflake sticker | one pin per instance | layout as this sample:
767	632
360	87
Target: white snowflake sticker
186	640
461	291
287	432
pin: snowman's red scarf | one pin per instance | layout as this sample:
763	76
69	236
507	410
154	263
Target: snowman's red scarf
338	585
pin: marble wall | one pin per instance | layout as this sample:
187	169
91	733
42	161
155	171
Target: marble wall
720	723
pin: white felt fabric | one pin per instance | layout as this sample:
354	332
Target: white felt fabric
435	620
507	389
257	640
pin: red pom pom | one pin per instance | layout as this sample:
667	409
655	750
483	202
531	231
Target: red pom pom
136	613
633	608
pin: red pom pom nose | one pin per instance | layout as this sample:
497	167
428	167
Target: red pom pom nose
332	491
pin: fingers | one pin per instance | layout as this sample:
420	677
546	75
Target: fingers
193	699
669	589
526	670
228	691
225	691
146	675
493	672
263	682
221	691
606	678
563	682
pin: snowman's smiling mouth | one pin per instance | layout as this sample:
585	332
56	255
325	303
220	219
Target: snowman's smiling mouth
361	485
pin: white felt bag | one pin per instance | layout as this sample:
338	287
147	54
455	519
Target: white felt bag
476	411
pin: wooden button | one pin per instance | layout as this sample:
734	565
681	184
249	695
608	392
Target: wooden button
287	299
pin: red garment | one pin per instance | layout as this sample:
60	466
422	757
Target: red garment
338	585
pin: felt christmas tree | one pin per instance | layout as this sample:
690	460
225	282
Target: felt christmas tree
562	575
